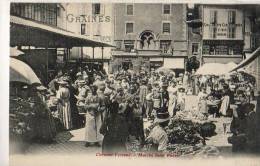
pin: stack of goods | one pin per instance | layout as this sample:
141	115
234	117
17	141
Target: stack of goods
193	115
183	132
193	150
21	118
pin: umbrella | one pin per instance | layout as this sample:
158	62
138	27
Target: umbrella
21	72
164	70
15	52
212	69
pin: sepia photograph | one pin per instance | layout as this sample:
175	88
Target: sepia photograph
134	80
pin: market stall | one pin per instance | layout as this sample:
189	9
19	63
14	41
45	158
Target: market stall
29	117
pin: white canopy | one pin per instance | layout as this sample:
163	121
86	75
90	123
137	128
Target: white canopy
21	72
215	69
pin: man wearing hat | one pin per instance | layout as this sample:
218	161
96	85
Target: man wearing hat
158	136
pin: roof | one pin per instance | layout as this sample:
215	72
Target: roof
32	33
247	61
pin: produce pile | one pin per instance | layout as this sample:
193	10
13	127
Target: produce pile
183	132
193	150
193	115
21	117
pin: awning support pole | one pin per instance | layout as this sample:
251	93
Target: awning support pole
102	54
47	65
93	57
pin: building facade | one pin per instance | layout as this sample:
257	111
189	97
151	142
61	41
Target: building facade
149	36
94	20
221	31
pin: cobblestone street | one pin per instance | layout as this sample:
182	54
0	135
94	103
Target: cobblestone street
72	142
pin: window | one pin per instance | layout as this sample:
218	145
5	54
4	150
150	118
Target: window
58	12
83	29
96	8
231	31
213	24
129	27
213	17
165	46
129	45
231	17
195	48
166	9
230	50
253	42
166	27
130	10
231	24
43	12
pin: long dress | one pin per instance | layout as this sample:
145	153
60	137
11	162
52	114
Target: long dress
93	120
224	105
203	107
64	109
115	129
172	100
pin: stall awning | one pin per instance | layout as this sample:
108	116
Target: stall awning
25	32
174	63
247	61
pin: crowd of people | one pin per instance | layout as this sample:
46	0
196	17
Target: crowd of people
113	108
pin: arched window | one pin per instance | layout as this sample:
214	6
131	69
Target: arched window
147	40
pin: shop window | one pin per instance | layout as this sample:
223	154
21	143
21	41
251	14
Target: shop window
130	9
96	8
165	46
129	45
166	27
195	48
83	29
212	50
230	51
166	9
129	27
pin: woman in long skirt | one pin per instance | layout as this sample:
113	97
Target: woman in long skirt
172	98
93	119
63	95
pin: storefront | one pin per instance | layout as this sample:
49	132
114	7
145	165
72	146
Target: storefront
222	51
